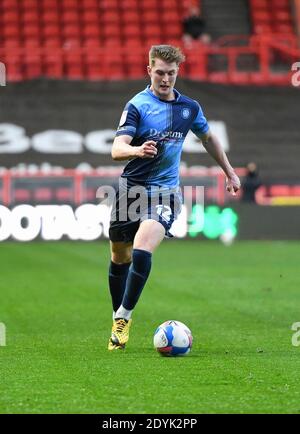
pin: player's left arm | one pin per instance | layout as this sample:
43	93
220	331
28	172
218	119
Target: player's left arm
211	143
213	146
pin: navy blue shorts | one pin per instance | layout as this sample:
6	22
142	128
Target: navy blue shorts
128	212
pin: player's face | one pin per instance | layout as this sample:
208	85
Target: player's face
163	77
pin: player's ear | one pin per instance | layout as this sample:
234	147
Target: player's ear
149	70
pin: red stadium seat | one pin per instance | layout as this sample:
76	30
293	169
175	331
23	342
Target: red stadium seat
14	67
261	16
10	5
49	5
31	31
262	28
259	4
281	16
71	43
271	17
51	31
174	31
53	64
71	31
27	5
53	41
135	71
30	17
70	17
11	31
171	17
131	31
169	5
110	16
283	4
90	17
153	31
133	43
130	17
94	66
283	28
152	40
151	17
50	17
11	43
112	43
177	42
10	17
70	4
136	65
114	65
150	5
31	43
112	5
92	30
73	65
91	42
129	5
112	31
89	4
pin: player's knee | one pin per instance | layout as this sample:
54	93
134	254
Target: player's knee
121	257
144	245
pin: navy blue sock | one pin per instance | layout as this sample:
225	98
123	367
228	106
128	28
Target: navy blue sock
117	282
137	277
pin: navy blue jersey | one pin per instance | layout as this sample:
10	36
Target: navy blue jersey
147	117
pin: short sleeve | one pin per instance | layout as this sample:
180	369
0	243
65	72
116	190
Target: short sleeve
129	121
200	125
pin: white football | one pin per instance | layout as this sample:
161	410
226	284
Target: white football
173	338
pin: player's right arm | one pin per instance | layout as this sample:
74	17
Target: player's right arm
123	150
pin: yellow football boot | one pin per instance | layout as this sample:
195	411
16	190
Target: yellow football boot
119	334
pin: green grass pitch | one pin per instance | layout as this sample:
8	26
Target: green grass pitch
239	301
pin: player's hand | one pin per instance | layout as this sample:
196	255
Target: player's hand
146	150
233	184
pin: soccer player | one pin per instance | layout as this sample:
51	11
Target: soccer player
150	135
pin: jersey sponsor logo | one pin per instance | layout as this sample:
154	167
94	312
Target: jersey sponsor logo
123	118
185	113
165	134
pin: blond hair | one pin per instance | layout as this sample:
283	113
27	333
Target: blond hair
168	53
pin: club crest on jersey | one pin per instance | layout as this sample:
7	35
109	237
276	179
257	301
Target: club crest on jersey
185	113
